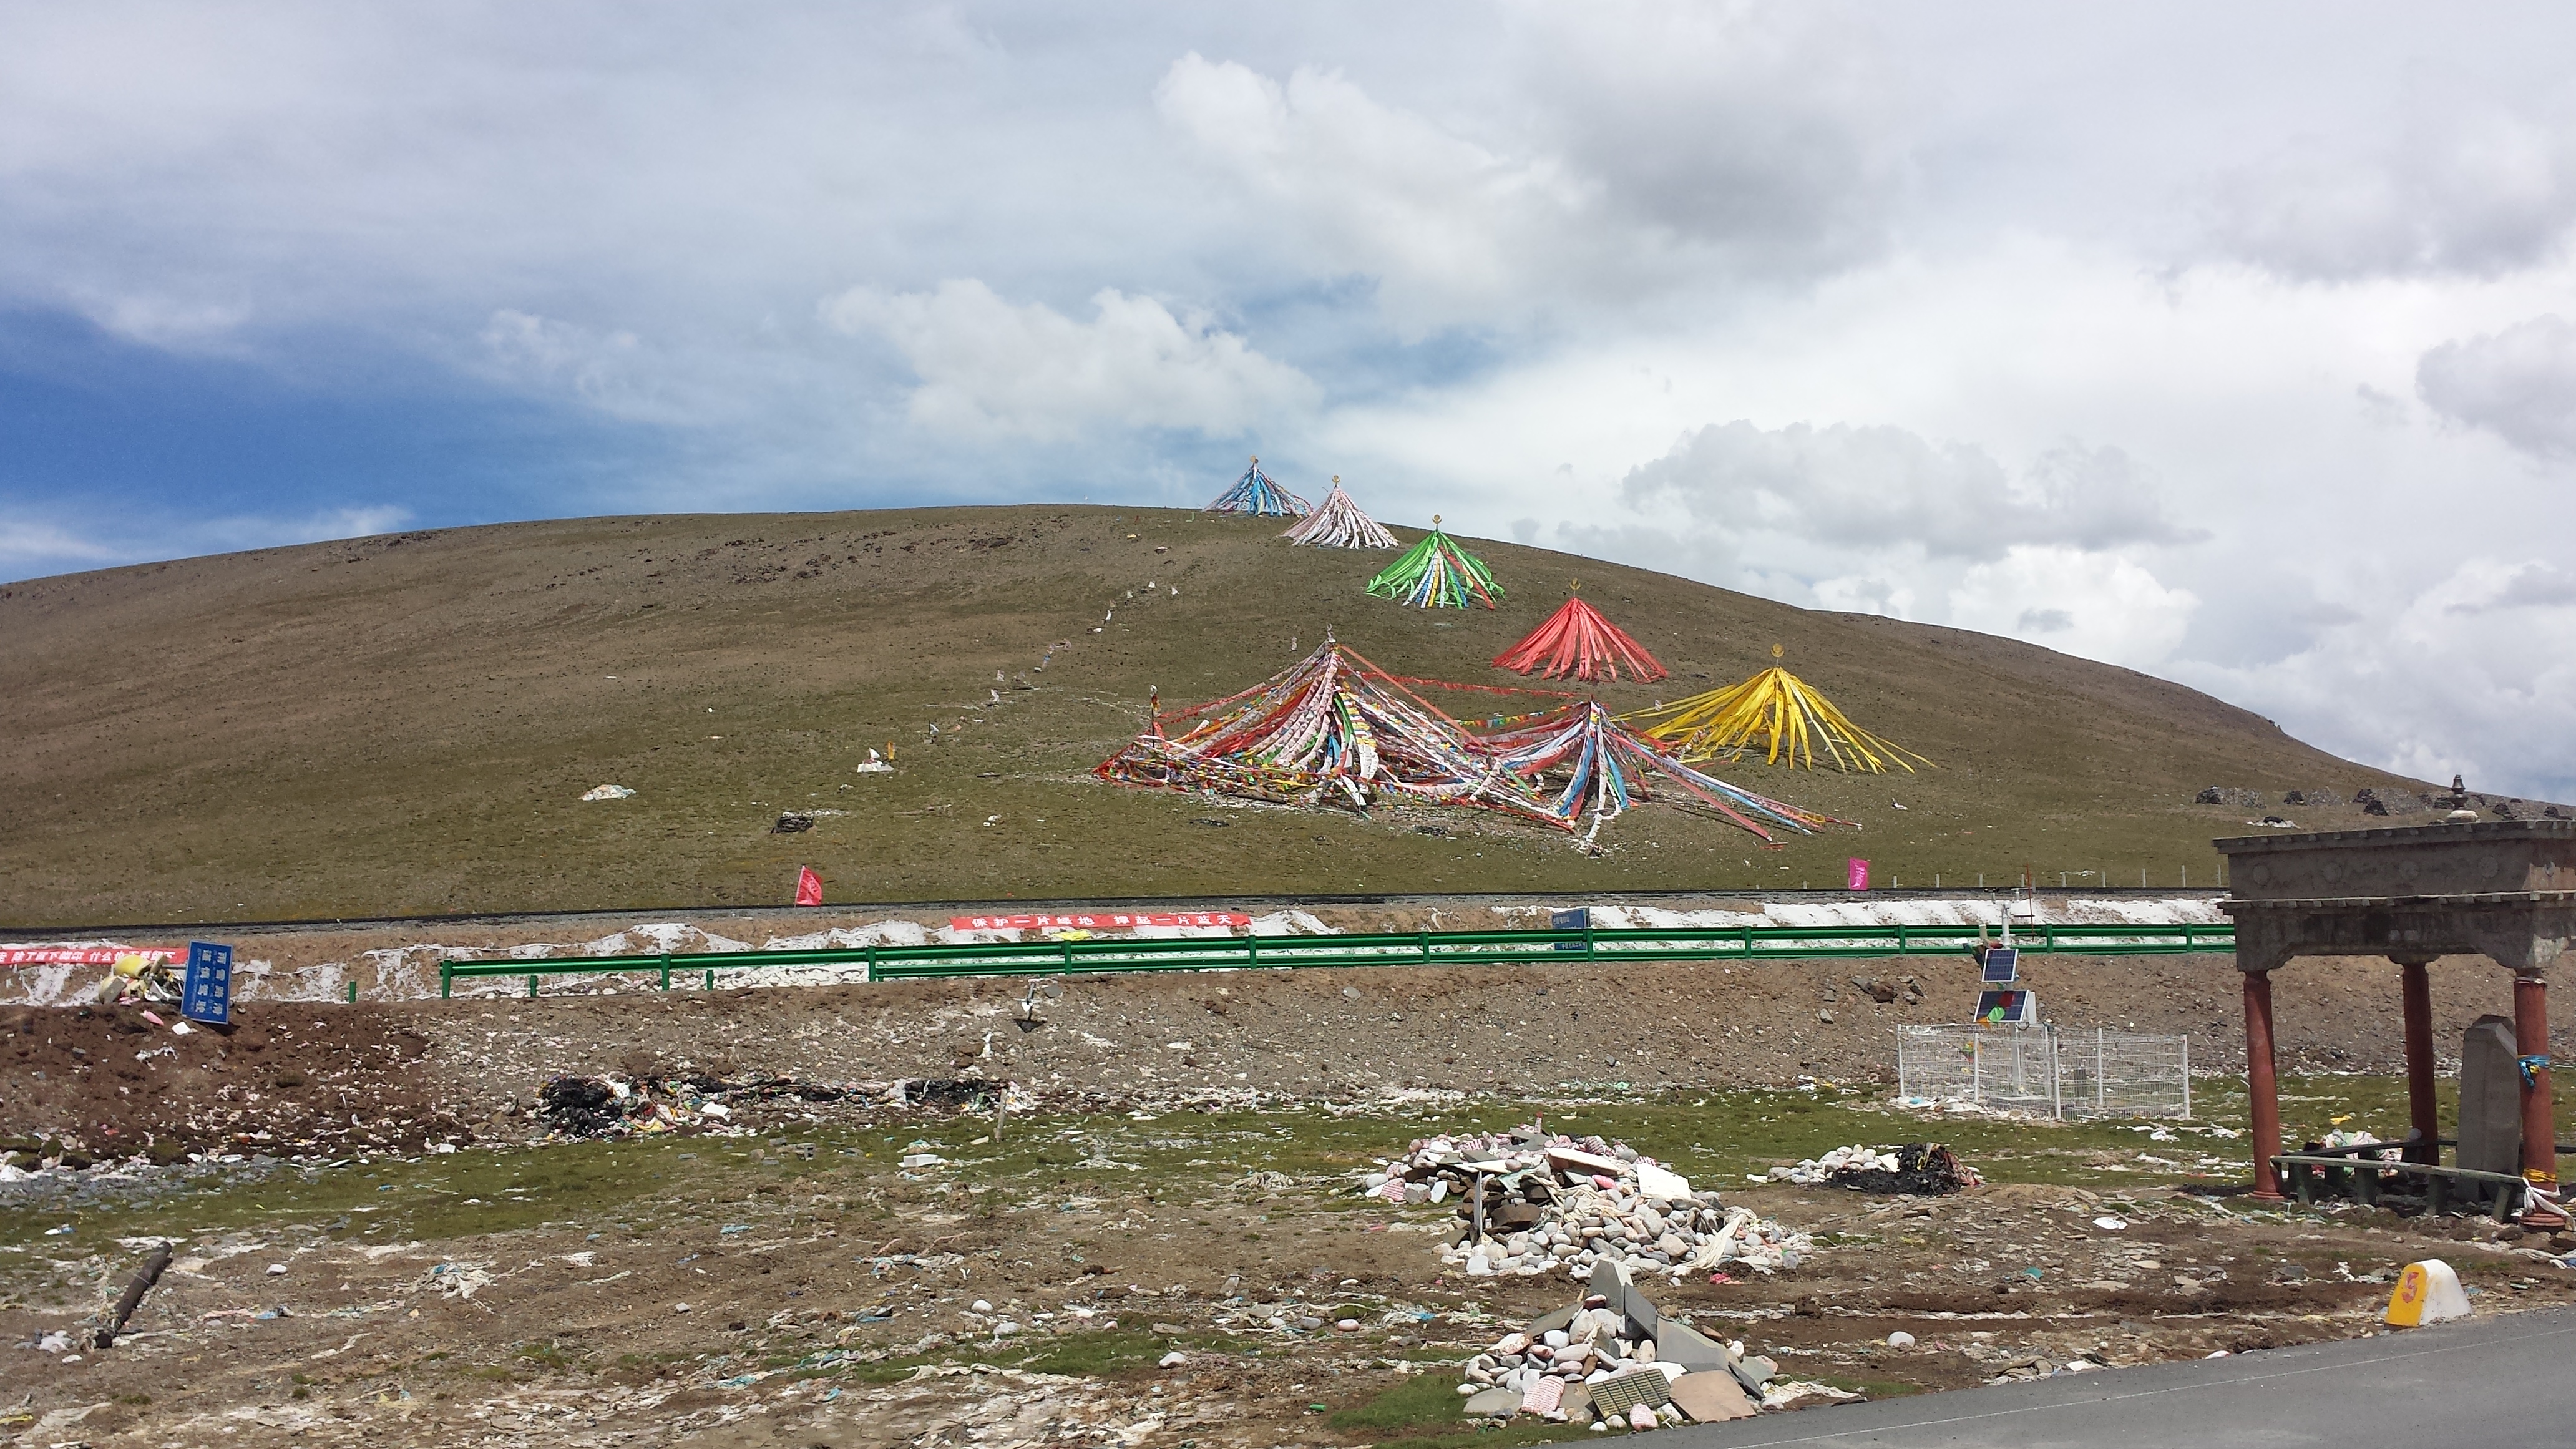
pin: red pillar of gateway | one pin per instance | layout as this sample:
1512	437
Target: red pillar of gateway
2261	1087
2416	995
2539	1125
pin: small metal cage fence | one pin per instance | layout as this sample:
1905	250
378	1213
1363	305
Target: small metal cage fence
2046	1070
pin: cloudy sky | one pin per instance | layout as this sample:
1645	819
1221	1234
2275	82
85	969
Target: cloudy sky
2233	344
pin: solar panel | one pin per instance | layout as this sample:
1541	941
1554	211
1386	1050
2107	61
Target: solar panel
2002	963
2007	1008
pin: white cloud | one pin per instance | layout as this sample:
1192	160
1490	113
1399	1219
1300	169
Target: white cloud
359	521
28	540
1885	487
1770	136
2519	384
988	367
1655	148
1446	226
168	323
2100	606
2472	672
2473	193
613	370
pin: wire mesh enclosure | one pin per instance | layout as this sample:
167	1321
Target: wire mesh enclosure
2046	1070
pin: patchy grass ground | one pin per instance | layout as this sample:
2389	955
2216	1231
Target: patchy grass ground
832	1294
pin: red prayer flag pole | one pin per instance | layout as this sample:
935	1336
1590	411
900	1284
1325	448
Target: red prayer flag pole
809	886
1576	642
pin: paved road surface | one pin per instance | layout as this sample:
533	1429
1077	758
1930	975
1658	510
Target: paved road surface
2508	1380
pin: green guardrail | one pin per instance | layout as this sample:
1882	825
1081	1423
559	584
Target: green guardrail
1419	948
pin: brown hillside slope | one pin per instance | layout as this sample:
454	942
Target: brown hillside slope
405	724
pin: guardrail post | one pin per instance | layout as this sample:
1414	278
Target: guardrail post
353	991
2048	941
446	980
710	984
1426	948
1588	955
532	988
872	961
1251	948
1902	949
1067	943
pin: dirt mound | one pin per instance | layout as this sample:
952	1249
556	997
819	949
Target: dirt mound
313	1077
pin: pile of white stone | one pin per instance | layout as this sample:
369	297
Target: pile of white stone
1615	1359
1561	1205
1855	1158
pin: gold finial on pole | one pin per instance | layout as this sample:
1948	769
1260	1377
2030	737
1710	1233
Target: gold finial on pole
1778	653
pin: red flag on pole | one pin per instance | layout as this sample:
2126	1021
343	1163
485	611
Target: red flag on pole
1858	879
809	886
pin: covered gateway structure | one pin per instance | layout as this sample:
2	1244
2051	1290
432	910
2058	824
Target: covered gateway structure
2504	890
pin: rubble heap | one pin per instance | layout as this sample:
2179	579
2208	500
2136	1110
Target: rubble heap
1920	1169
1535	1203
1615	1357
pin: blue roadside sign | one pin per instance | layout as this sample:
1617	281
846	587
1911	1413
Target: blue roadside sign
208	993
1578	919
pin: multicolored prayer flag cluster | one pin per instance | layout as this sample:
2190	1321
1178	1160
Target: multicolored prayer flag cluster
1335	729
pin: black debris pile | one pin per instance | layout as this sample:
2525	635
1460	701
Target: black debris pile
1923	1169
580	1106
951	1093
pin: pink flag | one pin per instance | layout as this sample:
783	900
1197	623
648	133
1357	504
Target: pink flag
809	886
1859	869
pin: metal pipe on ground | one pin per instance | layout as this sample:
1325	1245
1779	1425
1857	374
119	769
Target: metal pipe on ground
135	1288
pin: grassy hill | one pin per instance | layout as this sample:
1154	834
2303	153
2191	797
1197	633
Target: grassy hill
405	723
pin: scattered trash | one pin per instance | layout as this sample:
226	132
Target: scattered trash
1900	1339
873	766
2111	1225
607	792
613	1107
791	823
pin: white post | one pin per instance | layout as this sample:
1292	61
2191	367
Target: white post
2186	1078
2056	1080
2098	1099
